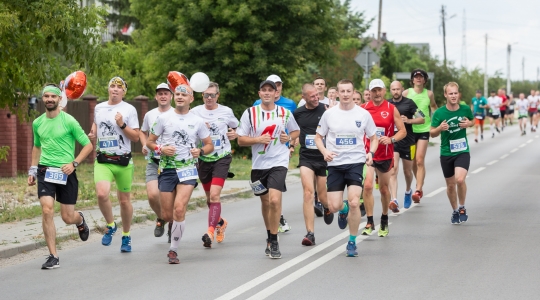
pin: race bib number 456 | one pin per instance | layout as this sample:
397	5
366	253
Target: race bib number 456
345	141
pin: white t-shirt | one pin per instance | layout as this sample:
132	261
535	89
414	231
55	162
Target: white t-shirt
219	120
255	122
495	105
148	121
111	138
533	101
184	132
522	106
323	101
344	131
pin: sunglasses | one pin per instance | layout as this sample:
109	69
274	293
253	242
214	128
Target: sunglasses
206	95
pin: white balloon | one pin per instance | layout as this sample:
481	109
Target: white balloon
63	102
199	82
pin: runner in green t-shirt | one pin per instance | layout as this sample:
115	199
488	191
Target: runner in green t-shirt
53	168
451	122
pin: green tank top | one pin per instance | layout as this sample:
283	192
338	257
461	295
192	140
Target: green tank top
422	101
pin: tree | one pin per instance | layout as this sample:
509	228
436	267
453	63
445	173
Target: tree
389	59
120	17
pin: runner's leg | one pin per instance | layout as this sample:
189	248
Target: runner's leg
49	229
308	178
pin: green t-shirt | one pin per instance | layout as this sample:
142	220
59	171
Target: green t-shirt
56	138
454	140
422	101
476	106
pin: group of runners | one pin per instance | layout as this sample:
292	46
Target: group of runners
344	143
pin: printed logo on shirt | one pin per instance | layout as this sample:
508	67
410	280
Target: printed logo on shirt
108	130
214	129
191	126
358	124
181	137
384	114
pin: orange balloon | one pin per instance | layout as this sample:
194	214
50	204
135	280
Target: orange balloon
175	79
75	85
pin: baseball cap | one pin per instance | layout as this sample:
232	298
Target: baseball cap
274	78
418	72
376	83
478	91
163	86
269	82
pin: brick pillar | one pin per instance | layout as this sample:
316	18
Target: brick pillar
92	102
8	137
25	143
144	105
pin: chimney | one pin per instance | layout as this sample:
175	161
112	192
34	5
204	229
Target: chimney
383	38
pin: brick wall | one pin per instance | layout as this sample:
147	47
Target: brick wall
8	137
25	143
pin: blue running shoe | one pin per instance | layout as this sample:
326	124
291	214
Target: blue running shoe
342	217
107	237
126	244
463	217
455	218
351	249
407	200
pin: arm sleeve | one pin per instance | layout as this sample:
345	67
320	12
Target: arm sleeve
37	141
133	119
469	114
157	127
145	126
291	124
322	128
78	132
203	131
233	121
244	129
435	121
371	129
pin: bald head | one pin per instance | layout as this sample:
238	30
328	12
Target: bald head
396	89
306	88
310	95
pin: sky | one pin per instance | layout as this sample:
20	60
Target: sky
515	22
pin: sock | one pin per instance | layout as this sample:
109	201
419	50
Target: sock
268	234
352	238
214	215
126	233
221	222
370	219
384	217
456	210
176	234
273	237
345	208
491	127
408	192
461	206
112	225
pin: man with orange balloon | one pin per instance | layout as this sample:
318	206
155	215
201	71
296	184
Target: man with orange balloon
115	126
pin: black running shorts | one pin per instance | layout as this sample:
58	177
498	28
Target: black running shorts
168	180
383	165
318	167
273	178
344	175
421	136
405	152
65	194
450	163
215	169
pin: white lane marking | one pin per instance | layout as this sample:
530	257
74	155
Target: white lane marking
265	293
492	162
478	170
536	136
522	145
529	141
514	150
435	192
504	156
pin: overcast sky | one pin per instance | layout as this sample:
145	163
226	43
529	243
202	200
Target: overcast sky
418	21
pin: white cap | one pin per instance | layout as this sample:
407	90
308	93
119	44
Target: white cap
163	86
376	83
274	78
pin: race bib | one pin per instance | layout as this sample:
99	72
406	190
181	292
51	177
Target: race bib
345	141
257	187
458	145
479	115
511	107
216	140
310	141
55	175
187	173
108	143
380	131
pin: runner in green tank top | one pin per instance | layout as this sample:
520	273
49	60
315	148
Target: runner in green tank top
425	100
53	168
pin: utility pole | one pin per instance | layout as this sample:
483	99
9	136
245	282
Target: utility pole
523	68
464	43
508	82
537	76
443	33
485	71
380	17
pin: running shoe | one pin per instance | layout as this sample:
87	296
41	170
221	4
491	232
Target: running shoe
309	239
220	231
318	207
368	229
267	250
160	228
481	137
523	133
283	225
455	218
417	196
207	239
394	206
169	232
342	217
492	135
476	140
173	258
407	200
383	230
274	250
351	249
463	217
328	216
497	128
376	182
126	244
362	207
107	237
83	229
51	263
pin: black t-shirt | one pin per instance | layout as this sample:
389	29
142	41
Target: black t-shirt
408	108
308	120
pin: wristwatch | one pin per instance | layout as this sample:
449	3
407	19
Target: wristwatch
123	126
75	164
372	154
202	152
393	140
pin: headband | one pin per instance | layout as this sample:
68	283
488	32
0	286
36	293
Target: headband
51	89
119	81
183	89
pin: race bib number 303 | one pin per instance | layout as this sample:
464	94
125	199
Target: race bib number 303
458	145
55	175
345	141
187	173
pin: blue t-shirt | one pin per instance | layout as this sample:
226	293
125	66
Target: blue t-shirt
282	101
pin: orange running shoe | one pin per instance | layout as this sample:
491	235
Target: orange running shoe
207	239
220	231
417	196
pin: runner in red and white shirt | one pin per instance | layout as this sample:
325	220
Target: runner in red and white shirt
387	119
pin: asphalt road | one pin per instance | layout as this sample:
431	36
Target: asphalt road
492	256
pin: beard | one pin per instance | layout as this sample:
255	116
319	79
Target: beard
53	108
